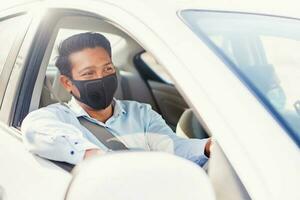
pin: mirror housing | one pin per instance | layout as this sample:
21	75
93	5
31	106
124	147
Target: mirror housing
139	175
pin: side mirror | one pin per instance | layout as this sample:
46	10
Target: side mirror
139	175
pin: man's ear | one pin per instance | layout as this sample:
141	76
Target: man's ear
66	82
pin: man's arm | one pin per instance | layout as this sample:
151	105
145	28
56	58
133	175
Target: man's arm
47	135
161	137
207	147
92	152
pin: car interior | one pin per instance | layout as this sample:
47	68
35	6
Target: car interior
140	78
137	72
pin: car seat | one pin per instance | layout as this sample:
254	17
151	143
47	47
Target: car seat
189	127
48	97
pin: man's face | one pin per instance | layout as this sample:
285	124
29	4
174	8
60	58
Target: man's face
88	64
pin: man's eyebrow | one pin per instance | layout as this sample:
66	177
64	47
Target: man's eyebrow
107	63
93	66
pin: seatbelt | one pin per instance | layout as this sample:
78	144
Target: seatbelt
105	137
108	139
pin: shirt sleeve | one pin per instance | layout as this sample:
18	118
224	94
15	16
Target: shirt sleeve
47	135
160	137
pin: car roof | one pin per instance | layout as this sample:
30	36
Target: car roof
15	3
287	8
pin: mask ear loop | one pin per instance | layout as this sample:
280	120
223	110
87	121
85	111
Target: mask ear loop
50	88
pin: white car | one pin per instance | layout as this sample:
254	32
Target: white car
231	72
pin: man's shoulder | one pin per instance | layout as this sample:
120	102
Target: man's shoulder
130	104
55	108
54	111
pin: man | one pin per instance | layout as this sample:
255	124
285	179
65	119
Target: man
87	72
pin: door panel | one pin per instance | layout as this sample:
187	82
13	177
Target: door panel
223	177
2	193
26	176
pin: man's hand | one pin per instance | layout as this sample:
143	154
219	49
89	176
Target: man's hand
207	148
92	152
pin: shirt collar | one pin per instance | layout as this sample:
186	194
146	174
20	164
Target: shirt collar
118	107
79	111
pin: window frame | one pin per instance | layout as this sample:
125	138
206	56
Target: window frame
11	58
35	57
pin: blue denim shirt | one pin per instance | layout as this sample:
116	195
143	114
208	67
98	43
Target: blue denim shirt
55	133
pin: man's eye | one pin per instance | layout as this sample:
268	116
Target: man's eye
87	73
109	69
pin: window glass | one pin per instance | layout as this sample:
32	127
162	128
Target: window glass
8	32
264	51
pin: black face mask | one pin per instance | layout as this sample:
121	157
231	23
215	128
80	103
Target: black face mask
97	93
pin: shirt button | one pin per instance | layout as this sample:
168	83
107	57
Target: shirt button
72	152
75	142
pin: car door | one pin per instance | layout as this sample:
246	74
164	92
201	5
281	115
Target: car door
22	175
248	123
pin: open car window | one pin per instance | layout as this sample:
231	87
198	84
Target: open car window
117	42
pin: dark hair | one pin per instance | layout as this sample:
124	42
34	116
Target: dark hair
77	43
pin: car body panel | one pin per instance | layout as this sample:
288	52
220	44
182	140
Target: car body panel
265	158
25	176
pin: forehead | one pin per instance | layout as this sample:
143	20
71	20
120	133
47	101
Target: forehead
89	57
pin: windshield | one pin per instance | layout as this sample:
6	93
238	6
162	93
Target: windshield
264	52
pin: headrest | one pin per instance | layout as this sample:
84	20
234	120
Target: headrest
59	90
139	175
65	96
151	62
188	126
